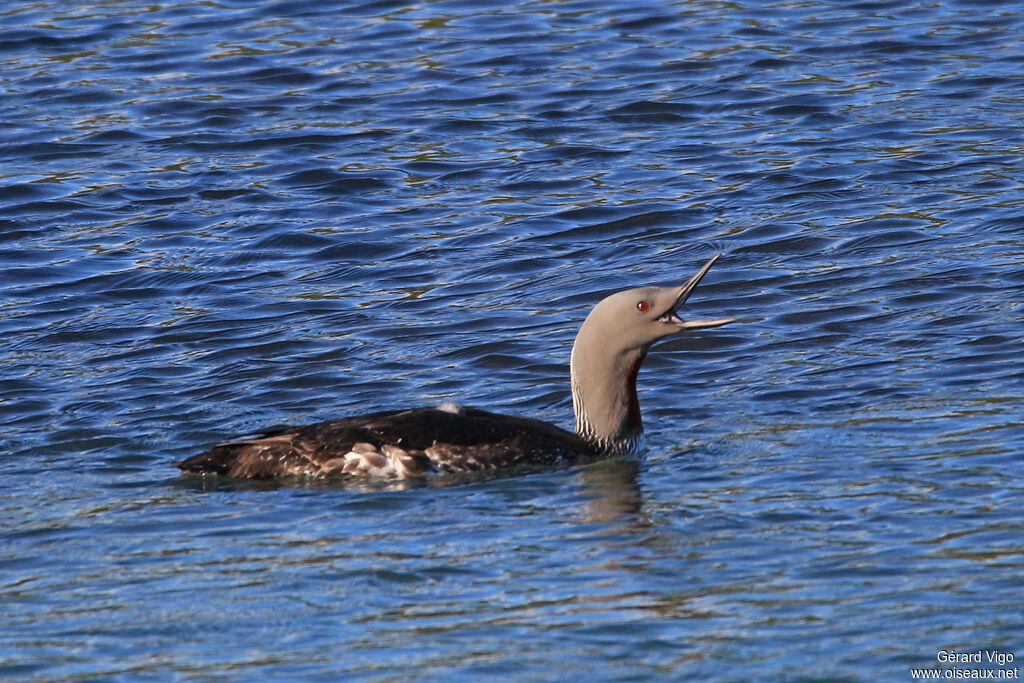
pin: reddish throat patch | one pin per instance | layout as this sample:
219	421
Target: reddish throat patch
635	421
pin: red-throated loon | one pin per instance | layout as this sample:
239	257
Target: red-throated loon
605	360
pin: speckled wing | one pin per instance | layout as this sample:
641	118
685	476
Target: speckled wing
394	444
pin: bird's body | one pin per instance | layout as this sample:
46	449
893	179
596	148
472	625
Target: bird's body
606	357
397	444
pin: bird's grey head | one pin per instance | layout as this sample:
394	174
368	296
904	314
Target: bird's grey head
608	351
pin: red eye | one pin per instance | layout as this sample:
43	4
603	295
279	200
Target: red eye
642	306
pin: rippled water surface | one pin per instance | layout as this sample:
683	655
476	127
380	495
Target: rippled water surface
218	216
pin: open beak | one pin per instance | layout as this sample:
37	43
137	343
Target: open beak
672	316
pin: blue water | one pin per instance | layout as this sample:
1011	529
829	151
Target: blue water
220	216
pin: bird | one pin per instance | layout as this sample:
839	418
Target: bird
606	356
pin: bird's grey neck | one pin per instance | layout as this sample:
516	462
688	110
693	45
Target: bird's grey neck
604	397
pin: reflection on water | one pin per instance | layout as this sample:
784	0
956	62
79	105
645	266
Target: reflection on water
614	495
218	217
